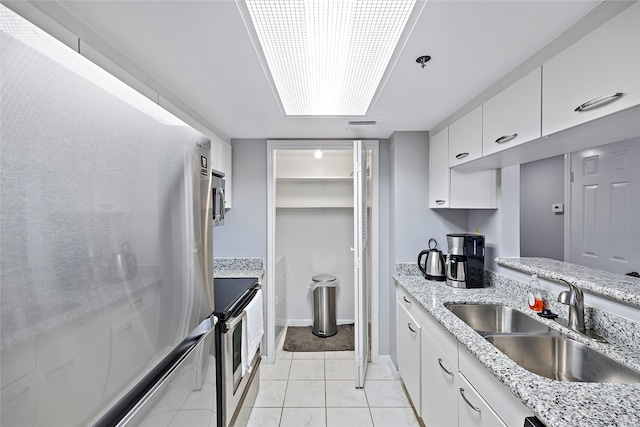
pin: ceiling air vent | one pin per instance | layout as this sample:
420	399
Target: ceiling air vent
362	122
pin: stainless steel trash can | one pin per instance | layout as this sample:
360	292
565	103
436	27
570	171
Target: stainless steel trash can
324	305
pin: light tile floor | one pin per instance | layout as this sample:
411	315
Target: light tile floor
318	389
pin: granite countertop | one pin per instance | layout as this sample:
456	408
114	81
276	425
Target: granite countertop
618	287
555	403
238	268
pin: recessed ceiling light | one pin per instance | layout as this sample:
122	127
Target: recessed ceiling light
317	154
327	57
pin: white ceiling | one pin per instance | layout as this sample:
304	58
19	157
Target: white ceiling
201	52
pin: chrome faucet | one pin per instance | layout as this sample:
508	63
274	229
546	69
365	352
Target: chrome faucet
575	299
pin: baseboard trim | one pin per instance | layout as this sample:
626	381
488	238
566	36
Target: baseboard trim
387	360
309	322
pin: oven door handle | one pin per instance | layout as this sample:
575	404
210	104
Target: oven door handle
232	324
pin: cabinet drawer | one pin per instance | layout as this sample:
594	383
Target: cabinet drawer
508	407
410	304
473	410
447	344
409	335
439	393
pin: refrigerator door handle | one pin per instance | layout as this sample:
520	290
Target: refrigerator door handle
147	389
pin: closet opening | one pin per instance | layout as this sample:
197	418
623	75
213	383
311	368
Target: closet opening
323	220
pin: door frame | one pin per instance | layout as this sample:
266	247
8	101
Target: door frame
337	144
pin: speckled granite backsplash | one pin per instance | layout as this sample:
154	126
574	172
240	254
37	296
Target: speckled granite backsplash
618	287
238	267
238	264
407	269
614	328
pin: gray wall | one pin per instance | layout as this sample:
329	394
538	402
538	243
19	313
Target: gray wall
500	226
542	231
244	233
386	285
412	223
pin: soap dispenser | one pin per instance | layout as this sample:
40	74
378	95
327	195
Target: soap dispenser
535	296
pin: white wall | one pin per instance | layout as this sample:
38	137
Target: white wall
316	241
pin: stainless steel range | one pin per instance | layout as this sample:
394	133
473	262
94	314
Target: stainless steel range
235	390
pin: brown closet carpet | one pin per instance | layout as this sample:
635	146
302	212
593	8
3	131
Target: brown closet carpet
300	338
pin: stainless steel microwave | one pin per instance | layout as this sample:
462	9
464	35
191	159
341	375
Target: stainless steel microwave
217	188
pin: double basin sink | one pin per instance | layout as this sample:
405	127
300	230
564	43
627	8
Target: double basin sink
539	349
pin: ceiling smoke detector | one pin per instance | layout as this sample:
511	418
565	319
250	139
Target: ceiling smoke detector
422	60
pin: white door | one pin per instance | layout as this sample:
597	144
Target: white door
605	207
360	261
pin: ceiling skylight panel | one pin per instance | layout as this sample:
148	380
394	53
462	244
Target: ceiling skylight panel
327	57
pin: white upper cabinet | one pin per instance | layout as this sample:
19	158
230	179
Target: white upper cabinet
454	189
439	170
474	190
465	138
513	116
596	76
221	158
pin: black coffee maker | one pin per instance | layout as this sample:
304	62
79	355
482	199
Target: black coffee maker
465	261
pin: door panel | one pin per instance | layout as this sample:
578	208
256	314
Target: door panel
605	205
360	262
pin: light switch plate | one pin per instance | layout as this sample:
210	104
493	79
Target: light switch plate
557	208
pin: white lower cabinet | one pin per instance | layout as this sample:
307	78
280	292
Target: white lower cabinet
508	407
409	355
473	410
456	389
439	392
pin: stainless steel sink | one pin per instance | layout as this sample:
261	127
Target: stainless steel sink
538	348
495	318
561	358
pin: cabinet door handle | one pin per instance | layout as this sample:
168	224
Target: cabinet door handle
406	300
410	328
461	155
475	408
505	138
440	202
443	368
595	101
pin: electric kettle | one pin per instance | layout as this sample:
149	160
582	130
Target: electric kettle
433	268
